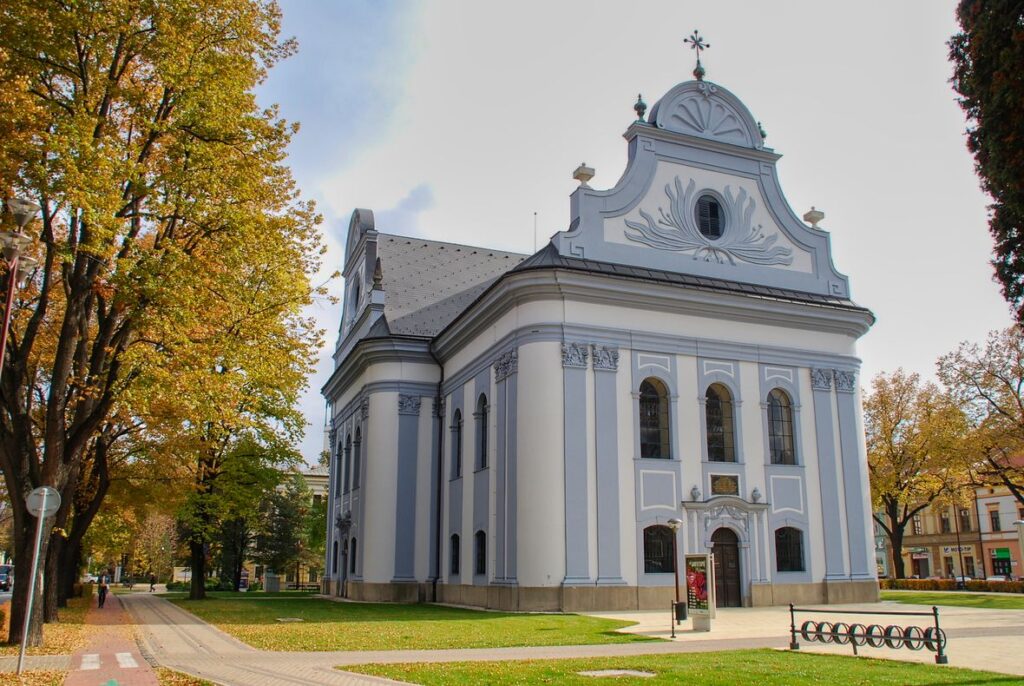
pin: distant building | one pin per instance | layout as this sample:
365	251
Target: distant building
515	432
942	541
1000	542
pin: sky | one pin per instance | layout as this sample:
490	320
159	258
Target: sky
458	120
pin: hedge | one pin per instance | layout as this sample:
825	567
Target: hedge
950	585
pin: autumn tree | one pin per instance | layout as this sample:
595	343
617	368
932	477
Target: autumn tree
988	382
171	239
988	73
914	436
284	542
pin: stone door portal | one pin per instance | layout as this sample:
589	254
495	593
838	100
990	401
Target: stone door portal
725	548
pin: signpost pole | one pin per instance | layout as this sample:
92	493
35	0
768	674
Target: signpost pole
42	502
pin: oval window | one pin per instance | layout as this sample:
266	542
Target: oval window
709	216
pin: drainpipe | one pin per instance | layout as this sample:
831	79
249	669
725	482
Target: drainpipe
440	479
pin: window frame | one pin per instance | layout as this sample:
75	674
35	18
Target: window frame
662	400
781	428
728	449
651	559
456	429
710	200
454	555
480	553
353	551
481	416
789	550
358	443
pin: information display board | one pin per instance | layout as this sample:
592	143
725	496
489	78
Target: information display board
700	584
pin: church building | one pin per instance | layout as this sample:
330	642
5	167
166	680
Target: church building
515	432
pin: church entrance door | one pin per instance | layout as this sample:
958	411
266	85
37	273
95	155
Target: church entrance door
725	547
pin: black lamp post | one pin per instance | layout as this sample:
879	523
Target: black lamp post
674	525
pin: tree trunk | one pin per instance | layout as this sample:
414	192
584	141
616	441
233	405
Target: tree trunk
197	554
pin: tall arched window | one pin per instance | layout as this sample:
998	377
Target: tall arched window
480	545
453	561
334	558
457	444
346	465
654	427
789	549
658	558
481	432
339	459
780	428
720	427
358	458
352	557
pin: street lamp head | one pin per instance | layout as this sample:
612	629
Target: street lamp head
674	523
23	210
13	244
25	266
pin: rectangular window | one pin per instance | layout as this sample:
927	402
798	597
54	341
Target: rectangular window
993	517
965	519
944	523
918	528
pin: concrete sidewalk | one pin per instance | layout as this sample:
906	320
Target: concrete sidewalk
978	639
111	655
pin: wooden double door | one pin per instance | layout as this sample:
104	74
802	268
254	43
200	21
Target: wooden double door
726	549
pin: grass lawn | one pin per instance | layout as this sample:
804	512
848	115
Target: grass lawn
982	600
761	667
168	677
38	677
331	625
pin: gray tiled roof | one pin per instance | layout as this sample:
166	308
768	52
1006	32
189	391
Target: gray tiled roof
429	283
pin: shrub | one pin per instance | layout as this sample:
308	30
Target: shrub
950	585
256	586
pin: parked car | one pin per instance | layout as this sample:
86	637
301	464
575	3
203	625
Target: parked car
89	578
997	577
6	577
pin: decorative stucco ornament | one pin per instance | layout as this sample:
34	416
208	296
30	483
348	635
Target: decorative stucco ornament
364	408
813	216
755	495
821	379
695	494
574	355
583	173
845	381
409	404
343	522
506	365
676	230
605	359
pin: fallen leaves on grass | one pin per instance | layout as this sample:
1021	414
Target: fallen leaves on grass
59	638
168	677
41	677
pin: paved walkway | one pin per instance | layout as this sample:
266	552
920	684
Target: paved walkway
112	655
979	639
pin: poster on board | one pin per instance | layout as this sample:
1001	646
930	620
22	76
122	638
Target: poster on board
700	585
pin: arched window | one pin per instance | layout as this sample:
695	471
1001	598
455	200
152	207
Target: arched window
352	557
481	432
658	557
709	216
480	545
453	565
720	429
780	428
457	444
346	465
789	549
358	459
654	427
339	454
334	558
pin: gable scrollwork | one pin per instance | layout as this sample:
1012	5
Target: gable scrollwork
821	379
575	355
506	365
676	230
725	514
605	359
409	404
845	381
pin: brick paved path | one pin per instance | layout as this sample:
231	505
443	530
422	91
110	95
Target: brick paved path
111	655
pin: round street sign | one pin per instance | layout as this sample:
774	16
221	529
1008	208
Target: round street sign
43	501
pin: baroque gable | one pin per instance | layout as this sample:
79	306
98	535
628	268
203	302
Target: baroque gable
701	146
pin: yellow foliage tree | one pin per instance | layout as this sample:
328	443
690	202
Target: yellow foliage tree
174	249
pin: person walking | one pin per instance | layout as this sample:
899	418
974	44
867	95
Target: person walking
152	582
103	590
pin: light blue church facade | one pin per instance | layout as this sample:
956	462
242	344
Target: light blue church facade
515	432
